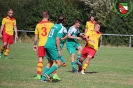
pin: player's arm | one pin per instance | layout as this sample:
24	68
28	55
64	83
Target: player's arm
64	38
35	42
74	37
99	43
58	38
35	39
81	35
1	30
16	31
86	30
58	46
65	32
2	27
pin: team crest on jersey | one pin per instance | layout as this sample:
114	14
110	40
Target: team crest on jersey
123	7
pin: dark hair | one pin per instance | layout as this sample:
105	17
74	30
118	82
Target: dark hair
77	21
61	18
45	13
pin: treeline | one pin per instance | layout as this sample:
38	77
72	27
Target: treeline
28	14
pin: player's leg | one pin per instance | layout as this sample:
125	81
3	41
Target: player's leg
41	54
79	48
52	69
80	66
84	54
62	57
3	47
55	76
10	40
46	68
89	57
7	50
54	56
39	68
72	50
90	54
73	63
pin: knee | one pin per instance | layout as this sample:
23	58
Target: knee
80	48
59	63
89	57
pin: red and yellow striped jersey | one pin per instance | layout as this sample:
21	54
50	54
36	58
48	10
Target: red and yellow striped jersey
42	30
9	24
95	36
90	25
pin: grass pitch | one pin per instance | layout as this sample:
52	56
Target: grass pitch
112	67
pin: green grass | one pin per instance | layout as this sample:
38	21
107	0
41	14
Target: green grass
112	67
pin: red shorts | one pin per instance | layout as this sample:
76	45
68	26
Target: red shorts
88	51
41	51
8	38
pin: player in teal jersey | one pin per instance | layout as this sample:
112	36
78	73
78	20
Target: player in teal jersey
72	44
53	49
62	42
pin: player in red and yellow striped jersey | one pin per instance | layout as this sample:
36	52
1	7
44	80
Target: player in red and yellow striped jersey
92	42
6	33
90	24
41	35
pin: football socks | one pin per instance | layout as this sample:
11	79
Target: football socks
39	67
85	66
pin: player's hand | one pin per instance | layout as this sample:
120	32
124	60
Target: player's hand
35	47
79	38
83	37
16	37
62	38
1	35
59	53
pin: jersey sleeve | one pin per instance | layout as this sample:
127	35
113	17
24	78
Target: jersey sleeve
36	30
88	33
3	21
65	31
70	31
14	23
86	25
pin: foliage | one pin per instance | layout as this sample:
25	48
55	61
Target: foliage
28	14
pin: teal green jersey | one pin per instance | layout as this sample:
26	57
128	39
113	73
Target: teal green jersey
64	33
73	32
56	31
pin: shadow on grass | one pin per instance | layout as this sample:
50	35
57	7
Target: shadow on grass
93	72
10	58
55	81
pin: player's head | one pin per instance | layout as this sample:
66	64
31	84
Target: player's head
61	19
97	27
92	18
45	14
10	13
77	23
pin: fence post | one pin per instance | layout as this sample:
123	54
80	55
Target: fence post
130	41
